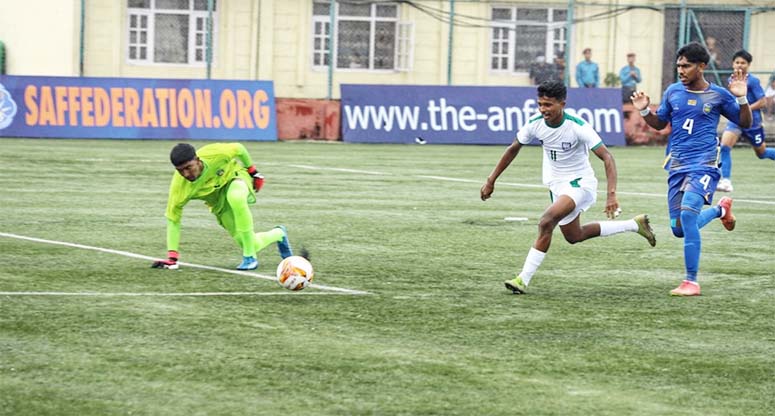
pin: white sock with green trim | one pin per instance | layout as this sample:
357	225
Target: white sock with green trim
532	262
615	227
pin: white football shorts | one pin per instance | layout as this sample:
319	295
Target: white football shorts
583	192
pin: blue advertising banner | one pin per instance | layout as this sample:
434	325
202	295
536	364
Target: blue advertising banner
136	108
469	115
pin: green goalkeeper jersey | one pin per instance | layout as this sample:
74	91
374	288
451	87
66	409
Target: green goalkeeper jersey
220	167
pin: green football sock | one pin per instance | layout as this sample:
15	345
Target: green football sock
268	237
237	196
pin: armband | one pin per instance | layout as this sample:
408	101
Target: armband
646	111
742	100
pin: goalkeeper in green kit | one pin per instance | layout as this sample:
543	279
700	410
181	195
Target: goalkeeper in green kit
224	177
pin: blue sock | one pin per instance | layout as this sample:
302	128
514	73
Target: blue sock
768	154
708	215
690	208
726	161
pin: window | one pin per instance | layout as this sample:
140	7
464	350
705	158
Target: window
521	36
168	31
369	36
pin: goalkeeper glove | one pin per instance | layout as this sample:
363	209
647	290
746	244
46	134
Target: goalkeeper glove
258	179
171	262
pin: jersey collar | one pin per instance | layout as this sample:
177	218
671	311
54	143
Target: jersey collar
554	126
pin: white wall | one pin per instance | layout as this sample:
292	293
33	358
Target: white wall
40	36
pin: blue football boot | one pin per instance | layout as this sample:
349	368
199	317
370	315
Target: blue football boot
284	246
248	263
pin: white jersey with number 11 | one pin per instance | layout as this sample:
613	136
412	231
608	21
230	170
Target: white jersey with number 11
566	147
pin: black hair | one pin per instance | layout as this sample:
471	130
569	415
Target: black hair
694	52
182	153
742	53
553	89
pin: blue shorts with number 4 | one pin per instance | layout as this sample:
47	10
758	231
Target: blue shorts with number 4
755	135
701	181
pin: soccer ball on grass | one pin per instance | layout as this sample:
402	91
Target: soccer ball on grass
295	273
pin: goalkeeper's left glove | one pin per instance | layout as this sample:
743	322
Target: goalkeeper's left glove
258	179
171	262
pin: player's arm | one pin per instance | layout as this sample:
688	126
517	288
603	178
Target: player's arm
611	203
758	105
174	215
738	86
173	242
641	103
241	153
508	156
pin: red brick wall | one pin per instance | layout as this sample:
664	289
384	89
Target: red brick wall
308	119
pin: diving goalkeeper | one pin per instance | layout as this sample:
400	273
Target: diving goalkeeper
224	177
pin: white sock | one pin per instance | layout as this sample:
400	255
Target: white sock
533	260
615	227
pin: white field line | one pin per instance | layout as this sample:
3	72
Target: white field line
192	265
365	172
514	184
162	294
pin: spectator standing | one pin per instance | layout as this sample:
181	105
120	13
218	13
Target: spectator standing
769	96
587	72
712	45
539	71
629	76
559	66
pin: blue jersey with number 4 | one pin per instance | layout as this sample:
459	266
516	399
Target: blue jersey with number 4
694	117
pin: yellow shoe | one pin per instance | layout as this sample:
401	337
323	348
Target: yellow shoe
516	285
644	228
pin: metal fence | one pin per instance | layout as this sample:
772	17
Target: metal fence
183	31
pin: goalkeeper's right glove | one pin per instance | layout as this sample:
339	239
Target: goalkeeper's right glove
171	262
258	179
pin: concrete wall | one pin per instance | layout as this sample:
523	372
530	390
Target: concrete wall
272	40
41	37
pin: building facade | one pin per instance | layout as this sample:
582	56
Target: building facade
288	41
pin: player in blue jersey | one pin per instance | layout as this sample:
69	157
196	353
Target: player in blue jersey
692	107
742	59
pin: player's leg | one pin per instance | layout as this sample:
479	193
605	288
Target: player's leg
242	231
722	210
583	198
560	209
575	233
756	138
277	235
728	140
691	207
697	188
675	183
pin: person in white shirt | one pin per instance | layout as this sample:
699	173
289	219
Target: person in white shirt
566	142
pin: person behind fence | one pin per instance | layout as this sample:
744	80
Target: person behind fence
587	72
540	70
755	135
692	107
629	76
769	94
225	178
559	66
712	45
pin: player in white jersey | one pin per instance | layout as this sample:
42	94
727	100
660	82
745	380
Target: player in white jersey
566	142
